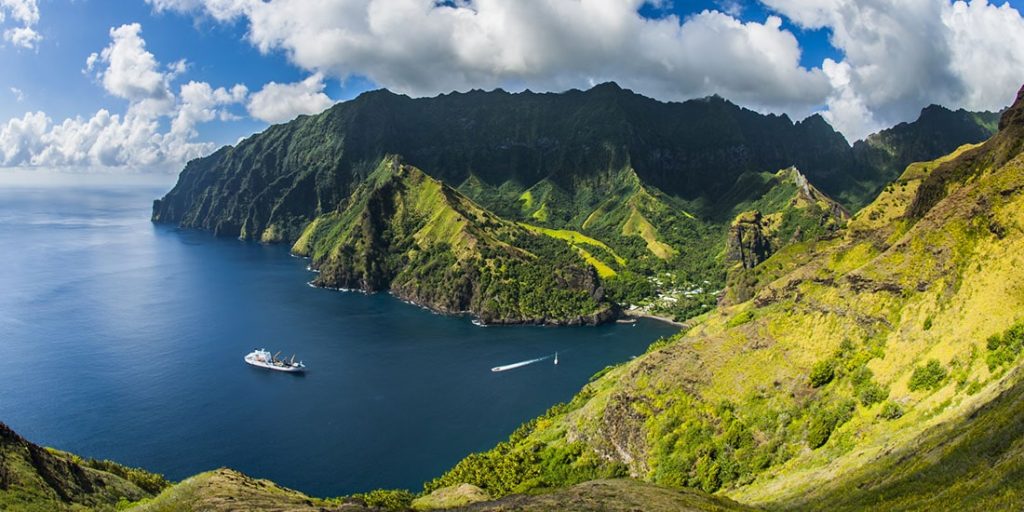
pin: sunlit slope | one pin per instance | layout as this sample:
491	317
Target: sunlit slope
851	349
407	233
33	478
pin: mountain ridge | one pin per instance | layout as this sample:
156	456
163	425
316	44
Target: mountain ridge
609	164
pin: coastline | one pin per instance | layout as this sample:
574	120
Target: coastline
639	314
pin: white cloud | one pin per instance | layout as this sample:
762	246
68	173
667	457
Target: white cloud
901	55
898	55
138	138
26	14
276	103
200	103
131	71
19	96
421	47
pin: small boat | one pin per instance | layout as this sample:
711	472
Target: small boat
556	357
262	358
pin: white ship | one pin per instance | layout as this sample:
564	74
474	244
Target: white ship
263	359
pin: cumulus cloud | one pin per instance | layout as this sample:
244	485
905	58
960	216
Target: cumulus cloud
276	103
898	55
25	14
127	70
901	55
201	103
424	47
137	139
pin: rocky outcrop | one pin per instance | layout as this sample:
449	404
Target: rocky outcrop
749	241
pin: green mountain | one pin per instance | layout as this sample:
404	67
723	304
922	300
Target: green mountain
497	146
406	232
644	192
879	367
938	131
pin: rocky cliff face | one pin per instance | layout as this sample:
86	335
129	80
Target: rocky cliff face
270	185
749	241
791	211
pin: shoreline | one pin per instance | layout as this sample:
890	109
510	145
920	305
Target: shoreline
651	316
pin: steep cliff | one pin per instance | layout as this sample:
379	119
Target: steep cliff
496	146
407	233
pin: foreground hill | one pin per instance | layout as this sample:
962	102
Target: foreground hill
879	367
37	479
33	478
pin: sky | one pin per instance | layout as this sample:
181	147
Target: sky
142	86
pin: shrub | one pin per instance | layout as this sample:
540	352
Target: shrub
1004	348
824	421
891	411
928	323
152	483
709	474
740	319
391	499
871	393
823	372
928	377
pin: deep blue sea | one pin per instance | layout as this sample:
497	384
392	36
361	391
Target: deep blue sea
122	339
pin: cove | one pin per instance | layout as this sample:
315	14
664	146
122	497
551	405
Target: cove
124	340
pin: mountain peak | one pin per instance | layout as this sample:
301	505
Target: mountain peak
607	86
1015	114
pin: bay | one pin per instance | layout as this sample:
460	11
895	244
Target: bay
122	339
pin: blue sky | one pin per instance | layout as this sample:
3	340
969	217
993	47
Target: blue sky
669	50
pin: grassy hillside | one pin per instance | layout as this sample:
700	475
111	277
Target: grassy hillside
408	233
33	478
621	495
853	352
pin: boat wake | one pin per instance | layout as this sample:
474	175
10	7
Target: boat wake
520	364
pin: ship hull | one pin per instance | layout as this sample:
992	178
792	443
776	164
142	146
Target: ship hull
252	361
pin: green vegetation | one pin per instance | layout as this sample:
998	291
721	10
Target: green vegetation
35	479
521	464
388	499
929	377
891	411
1005	348
151	483
743	318
771	399
822	373
406	232
656	229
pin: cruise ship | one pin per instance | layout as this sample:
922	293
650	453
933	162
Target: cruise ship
263	359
